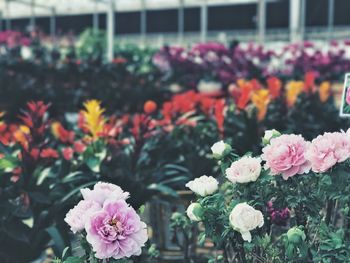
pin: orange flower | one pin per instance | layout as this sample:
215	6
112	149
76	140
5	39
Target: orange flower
261	99
61	133
246	88
274	85
20	135
219	114
294	88
149	107
309	78
324	91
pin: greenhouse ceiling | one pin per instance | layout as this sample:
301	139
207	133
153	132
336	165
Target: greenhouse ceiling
27	8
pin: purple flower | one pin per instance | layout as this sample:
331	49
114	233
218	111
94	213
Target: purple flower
278	216
103	191
116	231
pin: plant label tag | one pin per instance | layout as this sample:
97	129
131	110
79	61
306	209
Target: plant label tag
345	101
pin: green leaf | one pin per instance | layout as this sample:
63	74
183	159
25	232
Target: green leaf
43	175
162	189
93	163
59	244
8	163
64	253
74	260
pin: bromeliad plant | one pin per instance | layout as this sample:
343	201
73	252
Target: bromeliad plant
295	207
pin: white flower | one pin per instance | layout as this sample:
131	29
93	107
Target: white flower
209	87
348	132
244	218
26	52
269	134
194	212
77	216
103	191
219	149
204	185
245	170
175	88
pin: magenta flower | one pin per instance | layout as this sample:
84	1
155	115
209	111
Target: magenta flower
77	216
286	155
103	191
116	231
327	150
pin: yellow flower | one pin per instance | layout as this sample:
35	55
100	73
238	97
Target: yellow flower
294	88
261	99
94	119
324	91
54	129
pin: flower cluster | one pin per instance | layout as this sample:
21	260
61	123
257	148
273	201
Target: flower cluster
109	224
254	199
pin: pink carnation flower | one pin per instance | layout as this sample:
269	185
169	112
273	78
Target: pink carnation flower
77	216
286	155
116	231
328	149
103	191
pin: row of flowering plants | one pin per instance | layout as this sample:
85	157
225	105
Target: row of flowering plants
249	107
290	204
220	65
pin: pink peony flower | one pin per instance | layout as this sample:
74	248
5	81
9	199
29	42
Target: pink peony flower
348	96
328	149
116	231
77	216
286	155
103	191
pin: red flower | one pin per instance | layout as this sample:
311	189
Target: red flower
36	112
34	153
119	60
49	153
67	153
79	147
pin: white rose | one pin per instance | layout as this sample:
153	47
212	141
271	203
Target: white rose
209	87
204	185
194	212
244	218
219	149
245	170
348	132
269	134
